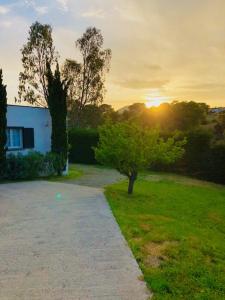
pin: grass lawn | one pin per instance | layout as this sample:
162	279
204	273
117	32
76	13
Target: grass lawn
73	173
175	227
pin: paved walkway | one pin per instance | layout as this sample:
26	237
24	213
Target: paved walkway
96	176
61	242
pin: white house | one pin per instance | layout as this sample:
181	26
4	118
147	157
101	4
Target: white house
28	128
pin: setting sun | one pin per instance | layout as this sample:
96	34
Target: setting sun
153	102
154	98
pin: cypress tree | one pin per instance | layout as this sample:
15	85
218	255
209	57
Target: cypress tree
57	94
3	125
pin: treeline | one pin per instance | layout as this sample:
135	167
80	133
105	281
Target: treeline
205	133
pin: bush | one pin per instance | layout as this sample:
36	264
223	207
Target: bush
54	163
81	143
197	152
215	168
201	160
23	167
32	165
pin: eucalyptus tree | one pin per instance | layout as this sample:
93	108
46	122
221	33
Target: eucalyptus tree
38	51
87	78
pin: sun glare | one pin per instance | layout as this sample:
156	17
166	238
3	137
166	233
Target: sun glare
153	102
154	99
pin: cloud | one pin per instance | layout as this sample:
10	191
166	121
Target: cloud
63	4
129	12
41	10
139	84
204	86
151	41
4	9
99	13
5	24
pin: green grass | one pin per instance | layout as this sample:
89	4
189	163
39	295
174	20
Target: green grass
176	230
73	173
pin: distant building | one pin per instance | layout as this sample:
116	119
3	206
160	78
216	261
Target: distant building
217	110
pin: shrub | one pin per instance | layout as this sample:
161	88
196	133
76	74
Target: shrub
81	143
197	151
215	166
32	165
201	159
23	167
54	163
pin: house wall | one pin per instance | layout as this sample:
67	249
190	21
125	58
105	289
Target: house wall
32	117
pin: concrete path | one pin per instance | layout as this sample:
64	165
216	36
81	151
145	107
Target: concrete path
61	242
96	176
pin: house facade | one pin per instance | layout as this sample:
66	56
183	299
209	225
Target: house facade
28	129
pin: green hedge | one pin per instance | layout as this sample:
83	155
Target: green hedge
202	158
31	166
81	143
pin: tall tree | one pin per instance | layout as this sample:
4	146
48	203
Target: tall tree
3	124
57	94
36	54
87	78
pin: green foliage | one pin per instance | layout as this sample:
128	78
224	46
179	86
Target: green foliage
81	143
189	115
32	165
175	228
57	94
169	116
3	124
197	149
219	128
202	159
36	54
92	116
23	167
214	169
54	163
130	148
86	79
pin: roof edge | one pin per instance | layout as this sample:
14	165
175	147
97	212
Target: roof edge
28	106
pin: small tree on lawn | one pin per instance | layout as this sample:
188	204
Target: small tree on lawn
57	94
3	124
130	148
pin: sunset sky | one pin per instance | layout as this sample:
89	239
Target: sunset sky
162	50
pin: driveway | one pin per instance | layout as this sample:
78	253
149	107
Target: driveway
96	176
61	242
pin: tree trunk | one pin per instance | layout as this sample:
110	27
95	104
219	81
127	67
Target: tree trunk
132	179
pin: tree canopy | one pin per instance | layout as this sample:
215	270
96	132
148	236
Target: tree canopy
36	54
129	148
87	77
169	116
57	94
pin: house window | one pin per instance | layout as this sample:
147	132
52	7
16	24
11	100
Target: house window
14	138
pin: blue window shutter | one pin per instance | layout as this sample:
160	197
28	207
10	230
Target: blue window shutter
28	138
